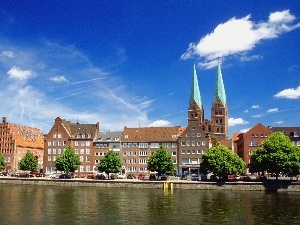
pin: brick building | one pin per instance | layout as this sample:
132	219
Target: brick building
79	136
249	141
139	143
292	132
15	140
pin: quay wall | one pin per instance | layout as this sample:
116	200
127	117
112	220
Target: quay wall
280	186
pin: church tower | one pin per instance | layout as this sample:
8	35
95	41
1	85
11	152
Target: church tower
195	111
219	110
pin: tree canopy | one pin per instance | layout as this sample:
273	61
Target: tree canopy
110	163
161	161
2	162
221	161
276	155
28	162
68	161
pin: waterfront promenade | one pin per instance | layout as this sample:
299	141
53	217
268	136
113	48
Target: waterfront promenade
269	185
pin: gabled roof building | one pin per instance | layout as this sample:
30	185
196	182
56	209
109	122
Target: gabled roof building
15	140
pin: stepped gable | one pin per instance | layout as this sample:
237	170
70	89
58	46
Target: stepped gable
151	134
26	136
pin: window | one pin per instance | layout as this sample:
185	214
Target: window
193	134
76	151
82	143
134	145
188	135
88	151
129	145
193	143
88	158
183	143
49	143
143	161
54	143
81	158
193	151
54	135
59	151
96	153
49	158
54	151
124	152
59	135
199	152
174	153
154	145
143	153
54	158
253	143
185	161
203	143
298	143
87	168
250	152
49	151
198	134
96	161
188	143
124	145
204	151
76	143
188	152
88	143
82	151
182	151
198	143
174	145
193	128
143	145
81	168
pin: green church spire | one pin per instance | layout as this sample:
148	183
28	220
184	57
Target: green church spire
195	92
219	88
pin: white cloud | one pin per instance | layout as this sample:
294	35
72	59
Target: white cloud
246	111
255	107
251	58
238	36
8	54
258	115
289	93
59	79
272	110
245	130
17	73
160	123
236	121
279	122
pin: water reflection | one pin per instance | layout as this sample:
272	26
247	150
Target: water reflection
30	204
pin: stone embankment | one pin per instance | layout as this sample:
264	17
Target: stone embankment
280	186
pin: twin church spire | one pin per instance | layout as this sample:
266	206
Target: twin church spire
219	112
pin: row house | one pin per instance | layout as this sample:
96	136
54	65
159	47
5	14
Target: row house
292	132
137	145
249	141
79	136
16	140
104	142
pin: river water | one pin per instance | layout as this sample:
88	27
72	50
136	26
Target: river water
34	204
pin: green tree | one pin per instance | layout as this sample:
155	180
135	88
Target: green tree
28	162
221	161
2	162
110	163
161	161
68	161
276	155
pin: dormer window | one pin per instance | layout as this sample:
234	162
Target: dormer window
83	135
78	136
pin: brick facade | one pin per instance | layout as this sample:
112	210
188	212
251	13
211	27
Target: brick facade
15	140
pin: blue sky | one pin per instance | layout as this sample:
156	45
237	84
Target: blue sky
130	63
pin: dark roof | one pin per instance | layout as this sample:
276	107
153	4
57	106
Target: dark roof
111	136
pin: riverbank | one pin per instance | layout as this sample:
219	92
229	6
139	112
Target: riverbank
270	185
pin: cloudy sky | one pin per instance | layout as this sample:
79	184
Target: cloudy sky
130	63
